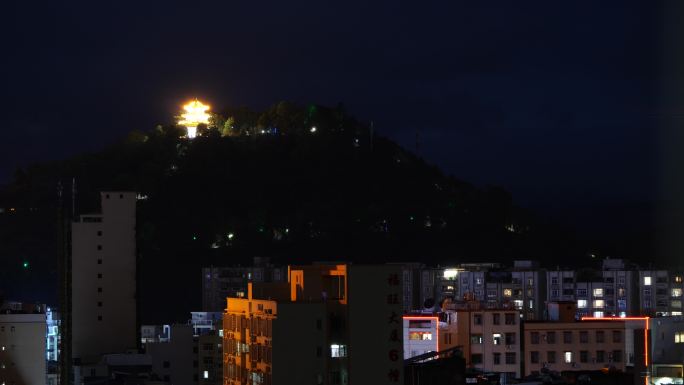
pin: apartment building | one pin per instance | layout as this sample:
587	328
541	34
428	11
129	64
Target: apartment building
660	292
328	324
667	336
104	280
22	349
490	338
173	358
218	283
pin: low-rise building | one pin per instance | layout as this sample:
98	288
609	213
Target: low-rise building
22	349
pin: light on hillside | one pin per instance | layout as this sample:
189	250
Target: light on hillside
195	114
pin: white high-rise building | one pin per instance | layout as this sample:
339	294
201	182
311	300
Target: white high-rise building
104	279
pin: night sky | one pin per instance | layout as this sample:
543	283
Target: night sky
562	103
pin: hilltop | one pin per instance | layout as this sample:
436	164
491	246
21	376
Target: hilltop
292	183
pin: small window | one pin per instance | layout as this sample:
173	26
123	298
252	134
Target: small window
99	290
99	275
99	261
319	324
99	318
12	329
534	357
99	233
107	196
120	196
166	364
99	247
99	304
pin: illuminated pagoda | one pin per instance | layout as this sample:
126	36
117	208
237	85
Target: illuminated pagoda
194	115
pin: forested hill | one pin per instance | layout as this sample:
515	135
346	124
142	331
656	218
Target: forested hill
293	183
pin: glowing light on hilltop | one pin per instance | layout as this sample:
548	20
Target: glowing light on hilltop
195	114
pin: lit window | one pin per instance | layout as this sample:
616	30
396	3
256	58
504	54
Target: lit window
567	357
647	281
598	304
206	374
581	303
420	336
507	292
598	292
450	273
677	292
518	303
598	314
676	313
337	351
678	279
496	338
679	338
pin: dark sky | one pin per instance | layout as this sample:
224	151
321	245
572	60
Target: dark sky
559	102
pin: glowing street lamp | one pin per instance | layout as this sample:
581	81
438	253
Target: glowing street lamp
195	114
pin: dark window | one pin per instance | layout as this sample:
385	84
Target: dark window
496	318
99	275
120	196
476	359
617	336
195	363
107	196
534	337
617	356
195	377
584	356
567	337
99	261
166	364
319	324
510	358
510	338
319	351
510	318
584	337
568	292
195	349
99	318
167	378
534	357
551	357
600	356
600	336
99	233
497	358
99	290
99	247
477	319
551	337
99	304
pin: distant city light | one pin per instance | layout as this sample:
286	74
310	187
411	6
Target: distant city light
194	237
231	235
195	114
313	129
25	264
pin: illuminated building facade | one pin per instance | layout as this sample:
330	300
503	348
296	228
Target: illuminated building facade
490	339
328	324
